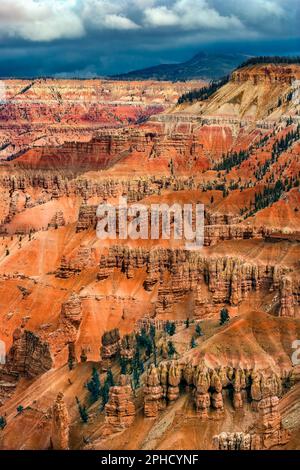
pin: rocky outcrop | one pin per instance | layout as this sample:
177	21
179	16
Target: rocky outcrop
235	441
120	409
153	393
8	383
266	73
69	321
57	220
110	347
28	356
71	313
128	347
86	218
82	258
60	424
289	297
268	432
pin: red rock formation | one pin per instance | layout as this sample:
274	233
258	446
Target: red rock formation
120	409
268	431
128	346
71	311
60	424
28	356
228	280
153	393
110	347
202	397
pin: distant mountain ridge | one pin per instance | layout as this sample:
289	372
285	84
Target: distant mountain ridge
202	65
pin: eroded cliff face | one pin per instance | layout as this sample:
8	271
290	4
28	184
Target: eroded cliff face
269	431
212	281
28	356
258	92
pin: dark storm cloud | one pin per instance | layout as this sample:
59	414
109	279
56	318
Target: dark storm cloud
88	37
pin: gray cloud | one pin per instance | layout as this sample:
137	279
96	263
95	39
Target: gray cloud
110	36
48	20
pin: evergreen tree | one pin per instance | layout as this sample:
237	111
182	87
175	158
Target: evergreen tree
154	353
198	330
187	323
2	422
136	378
105	394
270	60
71	363
141	367
171	349
167	326
145	341
152	332
123	365
193	342
110	378
203	93
20	409
172	329
149	346
224	316
94	386
83	356
82	411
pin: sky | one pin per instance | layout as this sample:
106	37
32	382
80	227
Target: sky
86	38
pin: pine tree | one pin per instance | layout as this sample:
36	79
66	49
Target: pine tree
187	323
2	422
20	409
152	332
224	316
94	386
105	394
71	363
193	342
171	349
83	356
82	411
141	367
172	329
145	341
110	378
167	326
198	330
136	377
123	365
